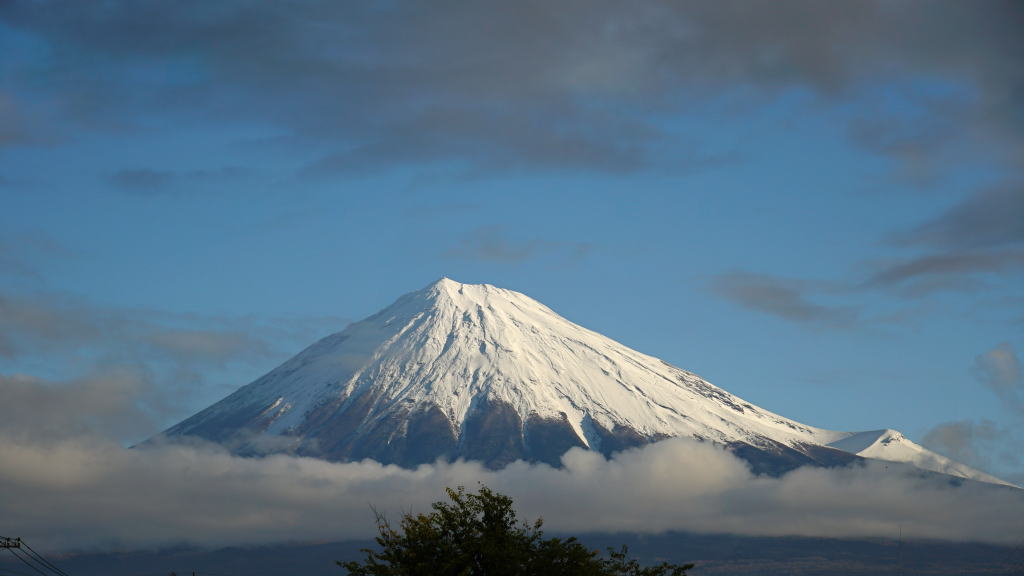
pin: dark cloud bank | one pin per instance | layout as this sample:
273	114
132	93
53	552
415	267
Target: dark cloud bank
546	85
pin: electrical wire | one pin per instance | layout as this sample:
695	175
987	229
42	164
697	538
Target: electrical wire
44	561
27	563
9	572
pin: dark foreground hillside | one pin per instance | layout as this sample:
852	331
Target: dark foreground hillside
714	555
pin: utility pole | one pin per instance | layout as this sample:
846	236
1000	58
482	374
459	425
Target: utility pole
6	542
899	550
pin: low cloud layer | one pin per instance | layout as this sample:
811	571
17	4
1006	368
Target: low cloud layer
83	494
112	403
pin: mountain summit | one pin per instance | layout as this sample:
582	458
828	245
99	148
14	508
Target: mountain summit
482	373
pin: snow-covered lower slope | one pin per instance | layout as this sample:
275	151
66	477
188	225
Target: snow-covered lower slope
475	371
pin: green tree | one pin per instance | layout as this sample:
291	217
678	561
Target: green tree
477	534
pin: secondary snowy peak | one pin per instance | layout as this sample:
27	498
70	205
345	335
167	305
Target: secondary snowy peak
892	446
479	372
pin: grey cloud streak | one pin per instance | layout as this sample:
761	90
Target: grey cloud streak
97	494
969	247
20	252
43	324
781	297
147	181
954	270
495	244
53	323
991	217
979	238
152	364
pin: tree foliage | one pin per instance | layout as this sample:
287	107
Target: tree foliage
478	534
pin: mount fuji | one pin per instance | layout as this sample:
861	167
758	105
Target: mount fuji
482	373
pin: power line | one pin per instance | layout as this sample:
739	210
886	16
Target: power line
26	562
29	557
44	561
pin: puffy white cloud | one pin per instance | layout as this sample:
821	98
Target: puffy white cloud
82	493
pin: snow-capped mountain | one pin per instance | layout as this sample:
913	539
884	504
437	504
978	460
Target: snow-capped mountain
478	372
892	446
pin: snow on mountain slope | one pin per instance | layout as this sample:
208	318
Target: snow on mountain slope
893	446
451	345
479	372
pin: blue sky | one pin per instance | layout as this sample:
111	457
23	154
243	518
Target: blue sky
804	204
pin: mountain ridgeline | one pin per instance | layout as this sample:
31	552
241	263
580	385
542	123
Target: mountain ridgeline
482	373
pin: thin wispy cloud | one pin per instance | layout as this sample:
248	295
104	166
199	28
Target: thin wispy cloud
982	443
14	128
44	324
979	444
780	297
920	136
149	182
20	253
1000	371
965	246
155	362
141	180
496	244
989	218
945	271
